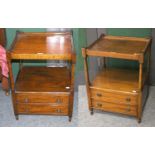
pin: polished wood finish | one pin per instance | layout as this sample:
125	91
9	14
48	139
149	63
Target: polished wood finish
118	90
114	96
112	107
43	79
130	48
87	80
5	82
45	109
55	46
40	89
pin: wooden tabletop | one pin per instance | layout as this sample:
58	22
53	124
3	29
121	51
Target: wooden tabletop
42	45
119	47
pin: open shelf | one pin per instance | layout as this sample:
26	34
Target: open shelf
43	79
117	79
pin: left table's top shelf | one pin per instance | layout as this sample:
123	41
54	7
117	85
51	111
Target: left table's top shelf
42	45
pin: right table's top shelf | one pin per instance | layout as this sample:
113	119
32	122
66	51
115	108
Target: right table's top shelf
132	48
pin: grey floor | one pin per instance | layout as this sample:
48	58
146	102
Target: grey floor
81	115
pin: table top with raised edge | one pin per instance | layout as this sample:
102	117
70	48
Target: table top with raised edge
123	47
42	45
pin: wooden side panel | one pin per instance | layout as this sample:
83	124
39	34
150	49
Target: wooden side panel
2	37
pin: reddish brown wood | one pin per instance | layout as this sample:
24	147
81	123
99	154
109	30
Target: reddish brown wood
55	46
119	90
130	48
43	90
112	107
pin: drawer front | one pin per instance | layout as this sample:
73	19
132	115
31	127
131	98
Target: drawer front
42	109
57	100
118	98
111	107
21	108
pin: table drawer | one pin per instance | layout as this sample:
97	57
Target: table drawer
114	97
21	108
56	100
112	107
42	109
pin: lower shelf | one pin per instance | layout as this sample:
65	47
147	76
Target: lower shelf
43	79
121	80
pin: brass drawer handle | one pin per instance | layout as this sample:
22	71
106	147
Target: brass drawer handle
26	109
128	99
99	104
58	110
26	100
99	95
128	108
58	101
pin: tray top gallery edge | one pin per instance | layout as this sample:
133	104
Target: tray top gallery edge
42	45
119	47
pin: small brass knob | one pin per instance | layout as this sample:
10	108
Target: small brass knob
99	95
59	110
128	99
99	104
128	108
58	101
26	109
26	100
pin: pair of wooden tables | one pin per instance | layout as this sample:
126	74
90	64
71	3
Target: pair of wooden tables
50	90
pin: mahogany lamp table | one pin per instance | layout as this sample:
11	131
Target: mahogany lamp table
114	89
42	89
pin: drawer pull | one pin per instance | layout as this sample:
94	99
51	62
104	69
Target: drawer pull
26	109
99	104
26	100
128	108
58	110
99	95
58	101
128	99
